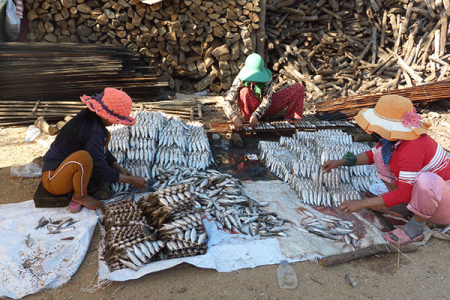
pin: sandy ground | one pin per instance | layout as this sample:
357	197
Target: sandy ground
420	275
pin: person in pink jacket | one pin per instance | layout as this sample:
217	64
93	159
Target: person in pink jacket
415	168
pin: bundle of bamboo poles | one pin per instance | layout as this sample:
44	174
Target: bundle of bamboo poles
347	107
42	79
185	109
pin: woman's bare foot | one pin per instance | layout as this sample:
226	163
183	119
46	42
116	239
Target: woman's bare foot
87	201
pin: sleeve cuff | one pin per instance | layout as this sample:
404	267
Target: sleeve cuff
256	116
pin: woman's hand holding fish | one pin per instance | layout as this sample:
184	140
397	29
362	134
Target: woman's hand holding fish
332	164
138	182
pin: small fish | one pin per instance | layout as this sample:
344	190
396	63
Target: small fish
128	264
42	222
446	229
29	262
350	280
29	241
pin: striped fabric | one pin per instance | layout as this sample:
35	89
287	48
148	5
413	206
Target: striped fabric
19	9
439	162
411	159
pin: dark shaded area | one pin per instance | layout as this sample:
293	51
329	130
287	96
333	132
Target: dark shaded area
232	160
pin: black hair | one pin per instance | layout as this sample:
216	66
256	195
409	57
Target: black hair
79	127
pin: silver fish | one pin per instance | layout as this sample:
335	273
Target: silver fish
29	241
42	222
129	264
133	257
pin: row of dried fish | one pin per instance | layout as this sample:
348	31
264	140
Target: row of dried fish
179	223
130	242
159	206
297	125
302	155
126	244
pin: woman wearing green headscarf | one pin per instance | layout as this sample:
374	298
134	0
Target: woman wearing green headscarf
253	90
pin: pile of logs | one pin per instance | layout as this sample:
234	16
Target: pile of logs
194	39
335	48
43	79
346	48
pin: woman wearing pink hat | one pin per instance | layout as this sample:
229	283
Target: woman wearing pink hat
415	168
79	159
252	89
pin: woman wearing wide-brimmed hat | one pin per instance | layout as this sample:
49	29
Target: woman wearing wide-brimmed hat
252	89
415	168
79	160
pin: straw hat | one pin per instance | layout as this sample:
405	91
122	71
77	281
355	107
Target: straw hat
112	105
254	69
394	118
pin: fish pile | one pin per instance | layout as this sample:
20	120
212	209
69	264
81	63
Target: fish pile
179	223
221	195
129	242
160	141
56	226
298	160
333	228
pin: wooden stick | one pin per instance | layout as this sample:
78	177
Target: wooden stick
35	107
332	14
407	17
408	69
365	252
374	45
290	68
444	29
276	66
383	29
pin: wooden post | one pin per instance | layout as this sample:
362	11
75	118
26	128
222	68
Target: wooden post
260	32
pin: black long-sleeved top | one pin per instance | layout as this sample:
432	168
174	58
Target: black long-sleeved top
95	145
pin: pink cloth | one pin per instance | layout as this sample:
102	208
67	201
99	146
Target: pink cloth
384	172
292	97
430	198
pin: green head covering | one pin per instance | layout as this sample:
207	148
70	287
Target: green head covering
254	70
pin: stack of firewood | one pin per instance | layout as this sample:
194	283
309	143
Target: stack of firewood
344	48
193	39
335	48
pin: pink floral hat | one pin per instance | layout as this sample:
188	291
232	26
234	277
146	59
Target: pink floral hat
112	105
394	118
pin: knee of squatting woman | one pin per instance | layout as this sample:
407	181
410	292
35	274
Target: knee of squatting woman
415	167
79	160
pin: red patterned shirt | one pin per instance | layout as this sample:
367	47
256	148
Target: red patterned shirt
409	160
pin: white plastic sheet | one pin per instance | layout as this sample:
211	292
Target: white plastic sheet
229	252
226	252
57	259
